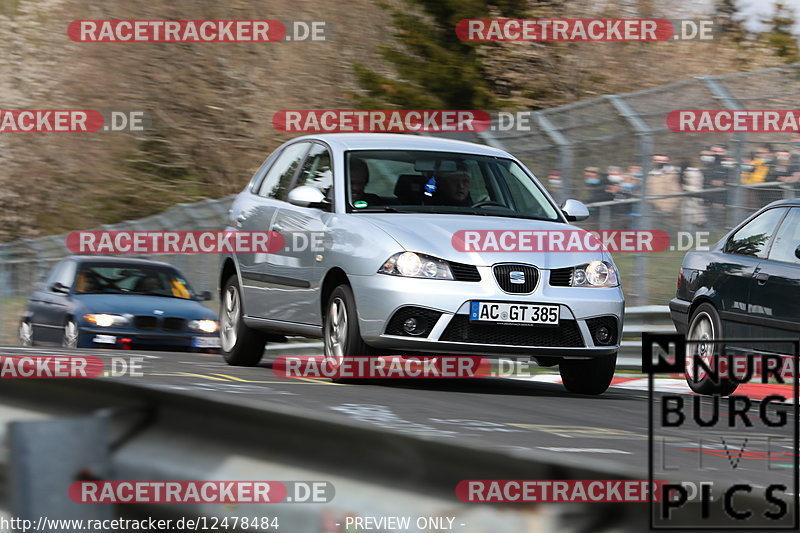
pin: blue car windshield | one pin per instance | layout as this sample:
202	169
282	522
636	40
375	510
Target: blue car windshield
105	279
408	181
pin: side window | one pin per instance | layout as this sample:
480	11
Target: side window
63	273
54	275
752	239
279	176
317	171
258	177
787	239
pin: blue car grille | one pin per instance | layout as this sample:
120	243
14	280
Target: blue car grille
153	323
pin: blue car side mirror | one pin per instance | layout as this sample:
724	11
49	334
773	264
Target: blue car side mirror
59	288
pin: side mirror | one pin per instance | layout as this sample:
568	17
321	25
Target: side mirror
574	210
59	287
205	296
797	252
306	196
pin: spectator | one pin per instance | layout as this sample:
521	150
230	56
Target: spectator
691	180
663	180
594	185
758	170
786	172
614	189
555	186
716	173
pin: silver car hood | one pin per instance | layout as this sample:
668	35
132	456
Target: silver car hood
432	234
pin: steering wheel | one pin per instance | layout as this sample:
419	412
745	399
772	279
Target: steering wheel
482	203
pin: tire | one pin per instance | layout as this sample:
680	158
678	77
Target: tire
71	334
705	324
241	345
592	376
25	334
341	334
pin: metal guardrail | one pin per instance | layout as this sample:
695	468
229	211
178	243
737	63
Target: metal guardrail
183	436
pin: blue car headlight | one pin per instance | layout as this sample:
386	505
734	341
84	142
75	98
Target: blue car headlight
205	325
413	265
105	320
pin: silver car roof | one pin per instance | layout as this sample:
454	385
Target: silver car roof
397	141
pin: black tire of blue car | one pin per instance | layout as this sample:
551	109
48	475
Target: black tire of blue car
588	376
248	348
704	316
343	340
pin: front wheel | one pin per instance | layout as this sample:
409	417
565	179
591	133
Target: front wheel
241	345
342	336
588	376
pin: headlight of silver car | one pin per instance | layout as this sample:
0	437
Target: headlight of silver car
206	326
413	265
595	274
104	320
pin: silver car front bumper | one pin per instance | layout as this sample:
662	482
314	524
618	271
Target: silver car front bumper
379	296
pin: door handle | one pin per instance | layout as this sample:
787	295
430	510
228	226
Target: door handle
239	221
762	278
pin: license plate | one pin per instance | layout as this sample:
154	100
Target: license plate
508	313
205	342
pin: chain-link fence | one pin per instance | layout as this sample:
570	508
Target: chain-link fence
610	152
614	153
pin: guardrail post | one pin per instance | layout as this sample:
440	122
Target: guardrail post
644	145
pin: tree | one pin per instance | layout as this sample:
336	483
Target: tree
780	36
727	15
435	70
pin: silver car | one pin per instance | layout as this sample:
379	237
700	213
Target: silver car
373	263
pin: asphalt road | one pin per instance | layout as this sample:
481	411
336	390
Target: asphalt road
501	414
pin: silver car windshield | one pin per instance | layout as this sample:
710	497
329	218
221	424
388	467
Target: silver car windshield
406	181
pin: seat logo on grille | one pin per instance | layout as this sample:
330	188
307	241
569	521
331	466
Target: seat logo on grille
516	277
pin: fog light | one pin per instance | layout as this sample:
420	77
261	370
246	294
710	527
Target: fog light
410	325
414	326
602	335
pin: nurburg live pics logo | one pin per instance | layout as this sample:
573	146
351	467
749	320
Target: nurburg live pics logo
745	482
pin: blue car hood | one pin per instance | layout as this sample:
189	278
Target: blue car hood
137	304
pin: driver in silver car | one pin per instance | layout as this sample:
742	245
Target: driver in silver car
454	188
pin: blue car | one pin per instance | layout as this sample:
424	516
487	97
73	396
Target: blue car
109	302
